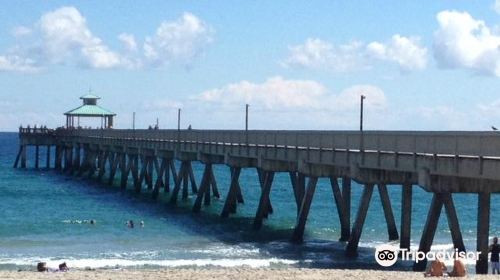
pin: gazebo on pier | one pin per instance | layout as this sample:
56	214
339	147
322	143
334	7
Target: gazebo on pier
89	109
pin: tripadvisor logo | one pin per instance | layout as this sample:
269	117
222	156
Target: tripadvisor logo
386	255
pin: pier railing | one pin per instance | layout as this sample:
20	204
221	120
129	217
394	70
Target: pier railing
463	144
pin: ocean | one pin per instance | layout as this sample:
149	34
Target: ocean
43	217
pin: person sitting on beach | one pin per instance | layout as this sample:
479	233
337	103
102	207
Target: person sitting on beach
459	269
42	267
63	267
495	256
436	269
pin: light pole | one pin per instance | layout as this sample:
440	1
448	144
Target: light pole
362	97
179	119
133	120
246	117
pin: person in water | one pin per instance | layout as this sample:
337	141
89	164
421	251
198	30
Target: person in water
495	256
130	224
142	223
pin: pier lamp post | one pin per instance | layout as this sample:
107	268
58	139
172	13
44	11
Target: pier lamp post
246	117
246	122
133	120
362	97
179	119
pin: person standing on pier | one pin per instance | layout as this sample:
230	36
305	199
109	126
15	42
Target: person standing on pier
495	256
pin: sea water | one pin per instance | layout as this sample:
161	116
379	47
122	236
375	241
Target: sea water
44	217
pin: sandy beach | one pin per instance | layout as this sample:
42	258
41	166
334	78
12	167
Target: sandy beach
221	274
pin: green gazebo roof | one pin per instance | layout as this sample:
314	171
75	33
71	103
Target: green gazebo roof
90	111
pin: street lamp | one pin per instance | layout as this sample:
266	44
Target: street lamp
133	120
362	97
246	117
179	119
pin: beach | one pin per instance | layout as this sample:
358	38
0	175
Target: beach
241	273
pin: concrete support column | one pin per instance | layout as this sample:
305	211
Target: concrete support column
429	230
37	156
406	210
345	226
23	156
47	161
389	215
298	232
263	207
352	244
483	230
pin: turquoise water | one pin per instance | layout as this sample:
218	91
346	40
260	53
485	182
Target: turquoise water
40	212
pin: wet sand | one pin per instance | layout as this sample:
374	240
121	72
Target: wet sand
221	274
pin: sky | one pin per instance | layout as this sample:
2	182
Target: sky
422	65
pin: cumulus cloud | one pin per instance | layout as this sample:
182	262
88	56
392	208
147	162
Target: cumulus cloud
406	52
65	33
462	41
274	93
63	37
496	6
183	40
318	54
277	93
128	41
17	64
281	103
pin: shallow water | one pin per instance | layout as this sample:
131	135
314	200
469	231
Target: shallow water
42	214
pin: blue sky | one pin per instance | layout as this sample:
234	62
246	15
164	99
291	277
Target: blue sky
423	65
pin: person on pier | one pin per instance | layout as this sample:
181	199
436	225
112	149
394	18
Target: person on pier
495	256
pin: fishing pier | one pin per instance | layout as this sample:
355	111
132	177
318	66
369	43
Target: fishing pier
442	163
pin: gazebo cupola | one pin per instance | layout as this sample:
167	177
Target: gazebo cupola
89	109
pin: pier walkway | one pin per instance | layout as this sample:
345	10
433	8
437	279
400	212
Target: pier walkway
439	162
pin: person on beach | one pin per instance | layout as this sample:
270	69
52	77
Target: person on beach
63	267
436	269
42	267
459	269
495	256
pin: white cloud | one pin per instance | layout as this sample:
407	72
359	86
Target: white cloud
274	93
279	103
20	31
406	52
65	33
62	36
462	41
318	54
128	41
181	40
496	6
17	64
